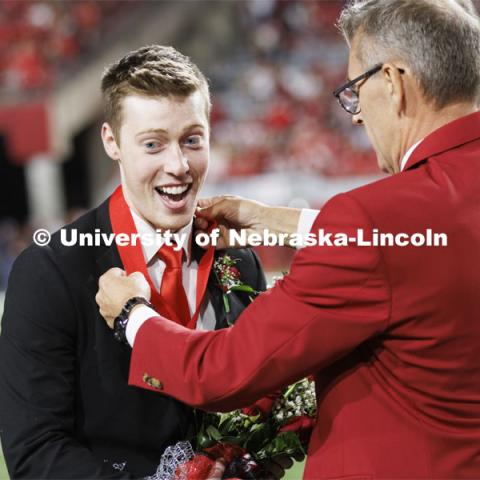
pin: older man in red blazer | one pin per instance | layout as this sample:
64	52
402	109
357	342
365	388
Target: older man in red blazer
391	333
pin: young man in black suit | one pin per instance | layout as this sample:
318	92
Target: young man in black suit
61	369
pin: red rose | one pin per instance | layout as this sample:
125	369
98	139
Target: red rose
227	451
262	407
198	468
302	426
234	272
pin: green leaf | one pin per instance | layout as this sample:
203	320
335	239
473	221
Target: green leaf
291	388
286	443
228	426
203	441
214	433
243	288
235	440
258	426
258	437
223	418
255	418
226	303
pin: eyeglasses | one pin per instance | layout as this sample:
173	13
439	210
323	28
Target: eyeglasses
348	97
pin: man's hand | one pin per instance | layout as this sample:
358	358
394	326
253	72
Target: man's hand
237	213
116	288
216	473
231	213
275	469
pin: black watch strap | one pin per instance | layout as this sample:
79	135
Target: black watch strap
120	323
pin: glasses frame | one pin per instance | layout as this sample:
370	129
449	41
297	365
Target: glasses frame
351	83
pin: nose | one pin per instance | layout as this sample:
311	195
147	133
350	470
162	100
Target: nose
176	163
357	119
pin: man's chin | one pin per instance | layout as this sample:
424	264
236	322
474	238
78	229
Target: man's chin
172	222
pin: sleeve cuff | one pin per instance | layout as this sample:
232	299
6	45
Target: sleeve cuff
137	318
305	222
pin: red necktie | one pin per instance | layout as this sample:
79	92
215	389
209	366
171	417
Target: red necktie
171	290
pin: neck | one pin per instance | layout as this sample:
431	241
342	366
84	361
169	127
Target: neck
427	120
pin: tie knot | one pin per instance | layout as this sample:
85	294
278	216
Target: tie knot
171	257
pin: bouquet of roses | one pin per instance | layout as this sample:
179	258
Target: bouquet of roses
279	424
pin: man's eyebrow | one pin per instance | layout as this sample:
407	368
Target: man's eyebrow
195	125
151	130
165	132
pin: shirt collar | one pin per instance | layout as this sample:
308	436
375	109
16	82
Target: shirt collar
408	154
150	250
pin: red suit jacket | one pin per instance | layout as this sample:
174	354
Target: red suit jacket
392	334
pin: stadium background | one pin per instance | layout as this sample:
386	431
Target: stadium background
278	135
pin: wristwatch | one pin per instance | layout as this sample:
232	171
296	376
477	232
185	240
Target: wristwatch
120	323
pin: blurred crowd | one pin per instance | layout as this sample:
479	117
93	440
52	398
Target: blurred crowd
273	103
40	40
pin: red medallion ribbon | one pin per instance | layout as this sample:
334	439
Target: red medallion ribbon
133	260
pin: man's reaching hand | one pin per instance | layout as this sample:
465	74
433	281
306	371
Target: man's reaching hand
237	213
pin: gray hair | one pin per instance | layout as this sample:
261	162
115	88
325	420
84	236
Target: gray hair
438	39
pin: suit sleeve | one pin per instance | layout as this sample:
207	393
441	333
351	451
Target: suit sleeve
334	298
37	375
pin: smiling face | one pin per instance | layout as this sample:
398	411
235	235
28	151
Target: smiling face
163	154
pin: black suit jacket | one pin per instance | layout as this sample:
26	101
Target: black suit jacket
66	410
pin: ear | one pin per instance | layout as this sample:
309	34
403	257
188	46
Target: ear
109	142
395	84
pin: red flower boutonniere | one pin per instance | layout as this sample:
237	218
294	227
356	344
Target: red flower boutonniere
228	278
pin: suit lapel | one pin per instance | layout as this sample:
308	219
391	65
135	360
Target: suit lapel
216	299
106	257
237	301
110	354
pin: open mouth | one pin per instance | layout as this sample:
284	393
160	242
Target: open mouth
174	193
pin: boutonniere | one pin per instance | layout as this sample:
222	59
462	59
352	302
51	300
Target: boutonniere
229	280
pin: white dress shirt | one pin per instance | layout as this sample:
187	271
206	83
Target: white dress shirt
408	154
305	224
156	268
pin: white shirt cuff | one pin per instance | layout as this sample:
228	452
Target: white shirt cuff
136	319
306	221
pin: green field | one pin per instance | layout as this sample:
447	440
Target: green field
3	469
296	472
